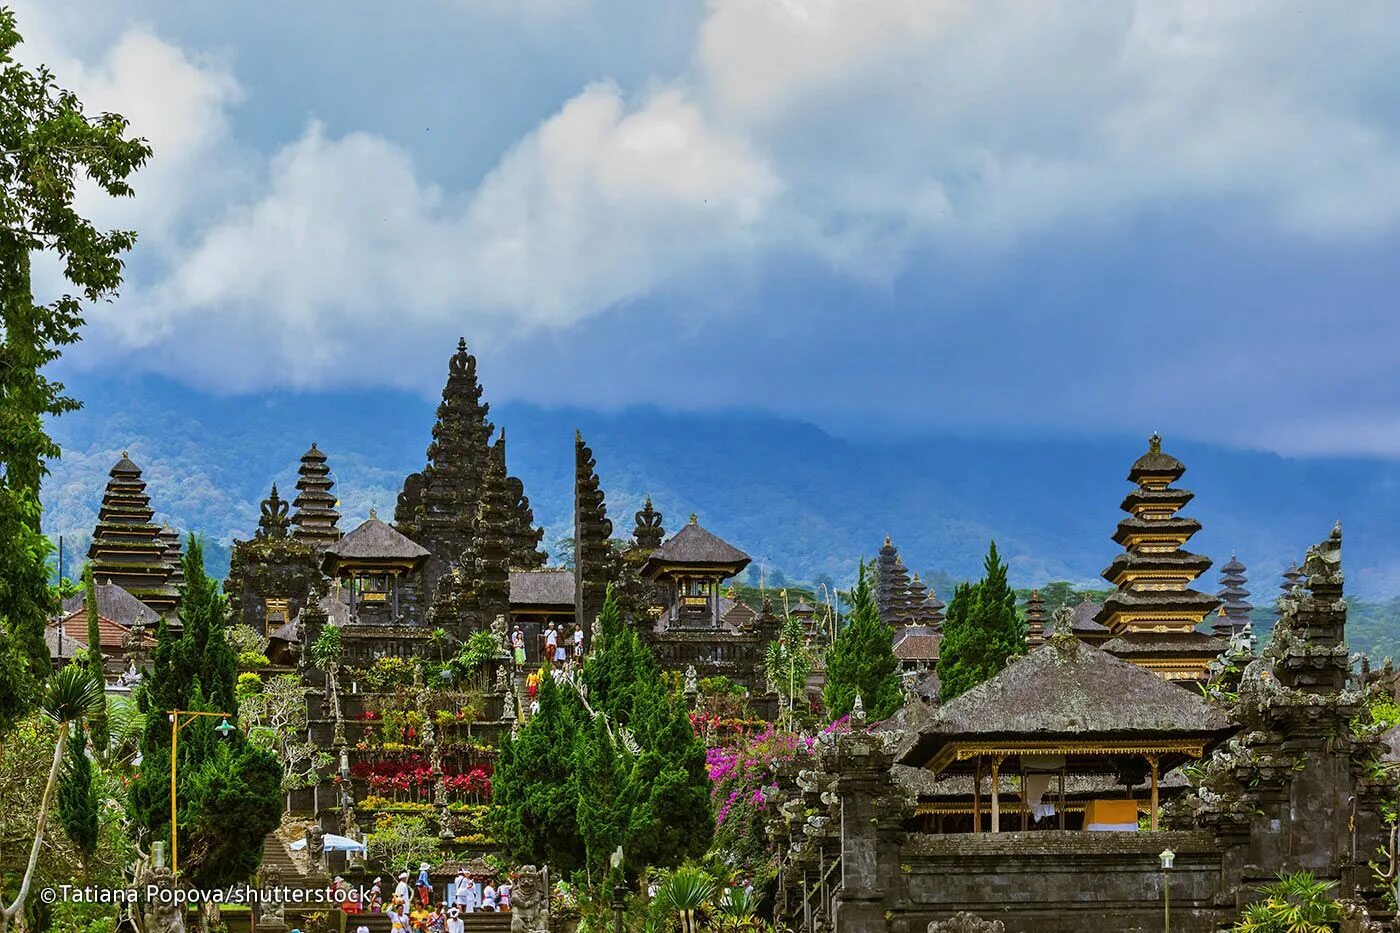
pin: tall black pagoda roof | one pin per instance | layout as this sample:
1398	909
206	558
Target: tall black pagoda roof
693	545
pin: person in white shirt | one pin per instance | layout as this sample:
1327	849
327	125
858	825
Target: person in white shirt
455	923
578	644
503	894
551	644
488	898
402	891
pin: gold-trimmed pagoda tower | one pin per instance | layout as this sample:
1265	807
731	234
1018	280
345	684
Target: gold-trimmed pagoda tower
316	517
128	548
1153	614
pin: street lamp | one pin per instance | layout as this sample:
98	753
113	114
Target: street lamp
1167	856
179	718
618	903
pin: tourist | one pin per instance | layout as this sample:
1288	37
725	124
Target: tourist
425	885
517	643
467	898
436	920
398	917
532	684
561	653
578	644
455	924
376	894
362	928
402	893
418	918
459	892
551	646
534	707
503	893
488	898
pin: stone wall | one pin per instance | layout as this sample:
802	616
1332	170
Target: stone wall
1059	882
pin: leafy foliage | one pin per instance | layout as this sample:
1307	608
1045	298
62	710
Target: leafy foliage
981	631
97	723
1296	903
325	650
50	146
77	797
229	790
861	660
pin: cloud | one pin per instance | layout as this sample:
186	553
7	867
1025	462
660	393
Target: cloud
861	141
592	208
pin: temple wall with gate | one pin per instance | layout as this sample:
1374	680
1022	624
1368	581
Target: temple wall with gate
1059	882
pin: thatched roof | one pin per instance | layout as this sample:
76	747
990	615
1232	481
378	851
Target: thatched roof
116	604
541	587
1070	690
373	540
696	546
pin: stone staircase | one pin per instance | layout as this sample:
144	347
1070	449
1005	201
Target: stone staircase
475	922
277	856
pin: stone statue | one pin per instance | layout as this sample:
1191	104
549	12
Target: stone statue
160	915
965	922
529	903
498	632
316	846
857	713
692	682
596	630
502	680
445	824
270	911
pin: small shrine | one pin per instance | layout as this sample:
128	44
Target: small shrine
690	568
373	565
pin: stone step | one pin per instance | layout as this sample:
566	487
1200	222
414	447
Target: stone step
478	922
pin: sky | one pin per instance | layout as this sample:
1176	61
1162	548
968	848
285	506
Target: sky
890	216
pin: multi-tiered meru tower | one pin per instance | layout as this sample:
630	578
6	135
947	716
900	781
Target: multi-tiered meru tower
128	549
1154	613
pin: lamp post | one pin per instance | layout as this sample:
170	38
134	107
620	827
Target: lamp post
618	904
1167	856
179	718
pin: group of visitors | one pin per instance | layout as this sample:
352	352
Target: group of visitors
560	647
412	908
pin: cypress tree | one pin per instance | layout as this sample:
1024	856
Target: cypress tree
97	722
77	797
229	792
981	632
667	797
601	817
535	790
861	661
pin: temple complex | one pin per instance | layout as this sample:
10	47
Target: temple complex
1085	758
1153	613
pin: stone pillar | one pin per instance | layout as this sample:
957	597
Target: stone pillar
871	811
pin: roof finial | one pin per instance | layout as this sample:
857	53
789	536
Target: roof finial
461	344
694	520
888	542
125	455
373	513
1154	443
1337	531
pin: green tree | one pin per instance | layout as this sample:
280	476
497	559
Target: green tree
1295	903
69	697
97	723
229	790
981	630
601	817
861	660
77	796
535	785
49	147
788	661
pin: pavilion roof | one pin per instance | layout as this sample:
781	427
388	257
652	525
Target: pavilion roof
553	587
114	603
373	540
697	546
1067	694
916	646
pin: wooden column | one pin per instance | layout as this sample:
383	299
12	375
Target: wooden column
996	795
1062	798
1025	804
1152	762
977	797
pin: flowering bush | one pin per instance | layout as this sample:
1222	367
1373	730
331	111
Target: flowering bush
412	778
740	772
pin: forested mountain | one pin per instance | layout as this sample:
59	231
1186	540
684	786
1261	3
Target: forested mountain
804	503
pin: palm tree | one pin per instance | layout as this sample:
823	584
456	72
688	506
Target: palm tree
1296	903
684	892
72	695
